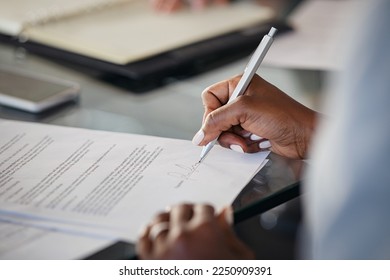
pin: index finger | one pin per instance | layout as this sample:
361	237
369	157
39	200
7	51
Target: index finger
217	95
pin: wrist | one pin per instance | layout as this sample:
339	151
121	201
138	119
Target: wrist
305	138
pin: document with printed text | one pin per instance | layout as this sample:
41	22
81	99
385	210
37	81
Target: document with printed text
108	183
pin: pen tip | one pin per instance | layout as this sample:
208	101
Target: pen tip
272	32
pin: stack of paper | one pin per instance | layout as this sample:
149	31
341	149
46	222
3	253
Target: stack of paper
81	189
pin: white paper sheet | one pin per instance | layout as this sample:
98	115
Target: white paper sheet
321	34
110	182
22	241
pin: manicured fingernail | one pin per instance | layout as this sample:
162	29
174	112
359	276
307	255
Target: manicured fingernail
265	145
229	215
236	148
247	134
198	137
254	137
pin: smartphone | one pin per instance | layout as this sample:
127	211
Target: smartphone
34	92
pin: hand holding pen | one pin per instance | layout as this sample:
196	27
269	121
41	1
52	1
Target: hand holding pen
285	125
250	70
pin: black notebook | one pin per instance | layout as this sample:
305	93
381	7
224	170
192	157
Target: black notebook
126	41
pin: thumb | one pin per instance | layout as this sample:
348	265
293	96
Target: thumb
225	217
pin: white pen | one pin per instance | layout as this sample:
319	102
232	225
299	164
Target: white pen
246	78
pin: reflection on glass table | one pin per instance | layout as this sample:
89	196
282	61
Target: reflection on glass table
268	210
277	182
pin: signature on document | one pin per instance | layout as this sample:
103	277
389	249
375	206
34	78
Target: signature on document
184	172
